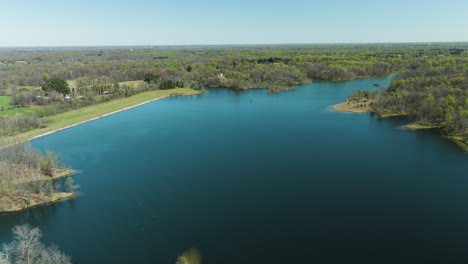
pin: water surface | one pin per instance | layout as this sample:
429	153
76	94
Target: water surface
250	177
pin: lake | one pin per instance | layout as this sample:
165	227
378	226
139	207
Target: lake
249	177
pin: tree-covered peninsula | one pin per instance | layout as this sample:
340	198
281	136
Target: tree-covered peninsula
433	93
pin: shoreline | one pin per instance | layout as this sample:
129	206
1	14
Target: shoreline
18	201
418	126
35	200
346	107
352	107
455	138
57	173
355	108
95	118
76	117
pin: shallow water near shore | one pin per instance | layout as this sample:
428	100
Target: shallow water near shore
249	177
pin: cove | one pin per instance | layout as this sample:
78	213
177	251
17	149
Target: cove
250	177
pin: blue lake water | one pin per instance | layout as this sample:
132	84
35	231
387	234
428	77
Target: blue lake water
249	177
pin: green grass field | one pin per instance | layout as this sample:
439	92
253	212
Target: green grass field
5	101
132	83
7	109
76	116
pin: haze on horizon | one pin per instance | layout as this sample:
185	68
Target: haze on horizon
208	22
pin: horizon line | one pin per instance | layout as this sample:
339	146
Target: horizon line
243	44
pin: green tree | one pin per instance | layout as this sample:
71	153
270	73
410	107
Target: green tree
449	118
48	164
70	185
151	78
168	85
450	100
56	84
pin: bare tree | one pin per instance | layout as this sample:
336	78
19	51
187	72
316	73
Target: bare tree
28	249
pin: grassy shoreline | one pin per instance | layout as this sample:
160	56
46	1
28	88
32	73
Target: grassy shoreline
83	115
17	200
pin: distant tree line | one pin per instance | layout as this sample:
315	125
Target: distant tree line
205	67
95	76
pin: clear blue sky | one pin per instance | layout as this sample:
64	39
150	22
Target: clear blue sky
182	22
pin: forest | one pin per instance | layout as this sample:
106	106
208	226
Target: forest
434	93
430	85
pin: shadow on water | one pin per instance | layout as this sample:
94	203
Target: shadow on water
426	136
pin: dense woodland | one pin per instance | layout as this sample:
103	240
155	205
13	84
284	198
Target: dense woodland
434	93
431	84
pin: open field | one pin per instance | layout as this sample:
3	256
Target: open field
5	101
81	115
133	83
7	109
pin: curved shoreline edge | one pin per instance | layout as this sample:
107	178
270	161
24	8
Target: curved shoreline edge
36	201
95	118
17	201
41	200
23	202
345	107
76	117
353	108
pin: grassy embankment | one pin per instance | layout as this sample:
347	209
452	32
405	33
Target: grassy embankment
18	200
78	116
